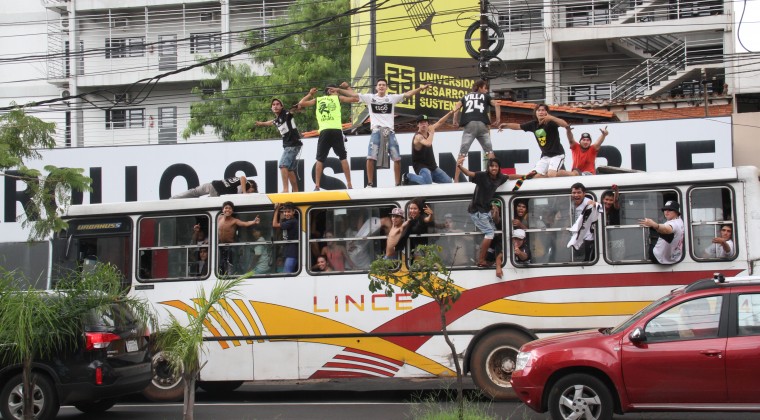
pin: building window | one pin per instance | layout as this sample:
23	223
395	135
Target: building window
125	118
125	47
205	43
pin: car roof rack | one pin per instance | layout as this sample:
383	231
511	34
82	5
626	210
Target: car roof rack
719	280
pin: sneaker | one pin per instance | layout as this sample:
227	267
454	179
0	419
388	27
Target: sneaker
316	188
405	179
369	185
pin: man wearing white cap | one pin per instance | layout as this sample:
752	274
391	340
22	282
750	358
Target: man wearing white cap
394	234
669	246
521	250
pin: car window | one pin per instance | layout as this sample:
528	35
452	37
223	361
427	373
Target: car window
749	314
693	319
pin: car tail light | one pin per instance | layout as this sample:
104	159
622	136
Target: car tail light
99	376
98	340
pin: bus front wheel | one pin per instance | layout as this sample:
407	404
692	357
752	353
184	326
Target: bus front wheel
493	362
166	385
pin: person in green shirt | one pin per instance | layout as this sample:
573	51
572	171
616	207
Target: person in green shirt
330	128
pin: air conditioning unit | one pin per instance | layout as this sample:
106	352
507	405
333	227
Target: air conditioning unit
122	98
522	74
64	22
119	22
589	70
65	93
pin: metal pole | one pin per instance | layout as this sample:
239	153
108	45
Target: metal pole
483	60
704	89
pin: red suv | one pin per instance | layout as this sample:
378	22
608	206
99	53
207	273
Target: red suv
696	349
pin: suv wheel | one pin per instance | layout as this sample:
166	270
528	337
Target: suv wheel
580	396
44	398
95	407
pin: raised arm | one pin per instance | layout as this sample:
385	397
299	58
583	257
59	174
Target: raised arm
243	185
601	138
442	120
408	94
241	223
276	216
308	100
509	126
457	107
464	170
616	197
570	137
265	123
345	98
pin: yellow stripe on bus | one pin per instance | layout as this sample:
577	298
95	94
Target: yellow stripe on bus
310	197
191	311
280	320
515	307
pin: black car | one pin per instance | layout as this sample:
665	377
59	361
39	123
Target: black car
111	359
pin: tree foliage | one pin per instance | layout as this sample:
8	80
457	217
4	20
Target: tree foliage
40	323
427	275
182	342
285	70
21	137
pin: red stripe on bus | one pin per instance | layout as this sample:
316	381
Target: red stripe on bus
366	353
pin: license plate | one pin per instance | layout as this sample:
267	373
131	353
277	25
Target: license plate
132	346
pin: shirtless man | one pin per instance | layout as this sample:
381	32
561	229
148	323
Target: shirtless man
227	229
395	233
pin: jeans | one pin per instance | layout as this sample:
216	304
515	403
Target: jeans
426	177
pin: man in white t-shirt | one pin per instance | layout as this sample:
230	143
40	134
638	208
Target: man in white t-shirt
669	246
723	245
381	107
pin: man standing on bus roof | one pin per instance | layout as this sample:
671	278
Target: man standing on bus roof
330	128
221	187
669	246
381	107
545	128
476	121
584	153
291	143
486	184
290	229
423	157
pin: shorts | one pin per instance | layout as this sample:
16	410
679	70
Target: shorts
476	130
484	223
331	138
289	158
374	146
547	164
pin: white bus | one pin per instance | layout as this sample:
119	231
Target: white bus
309	324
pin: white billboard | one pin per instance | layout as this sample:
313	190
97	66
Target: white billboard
153	172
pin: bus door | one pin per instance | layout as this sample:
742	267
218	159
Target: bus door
91	242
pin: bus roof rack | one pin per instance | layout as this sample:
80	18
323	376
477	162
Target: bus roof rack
719	277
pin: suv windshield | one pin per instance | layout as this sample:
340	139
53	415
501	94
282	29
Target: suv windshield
635	317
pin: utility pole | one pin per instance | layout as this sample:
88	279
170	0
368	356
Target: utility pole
704	89
483	59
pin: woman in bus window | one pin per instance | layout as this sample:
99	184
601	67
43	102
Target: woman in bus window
322	264
336	253
417	224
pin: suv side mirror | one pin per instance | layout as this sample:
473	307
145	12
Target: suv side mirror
637	336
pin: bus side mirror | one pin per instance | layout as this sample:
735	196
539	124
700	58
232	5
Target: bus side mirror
637	336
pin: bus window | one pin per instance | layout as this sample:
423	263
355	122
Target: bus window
549	219
456	234
713	236
169	247
253	250
351	237
628	242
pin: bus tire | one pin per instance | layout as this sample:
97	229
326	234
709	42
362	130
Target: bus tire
219	387
166	384
44	398
493	362
580	395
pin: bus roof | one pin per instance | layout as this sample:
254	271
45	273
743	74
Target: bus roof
464	189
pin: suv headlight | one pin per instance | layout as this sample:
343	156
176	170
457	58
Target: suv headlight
523	360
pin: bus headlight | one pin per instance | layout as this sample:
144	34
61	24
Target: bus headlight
523	360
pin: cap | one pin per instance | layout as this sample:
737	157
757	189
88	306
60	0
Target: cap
585	136
496	203
448	216
672	205
398	212
518	233
422	117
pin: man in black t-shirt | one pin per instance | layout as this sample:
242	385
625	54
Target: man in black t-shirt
291	143
545	128
476	108
486	183
221	187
